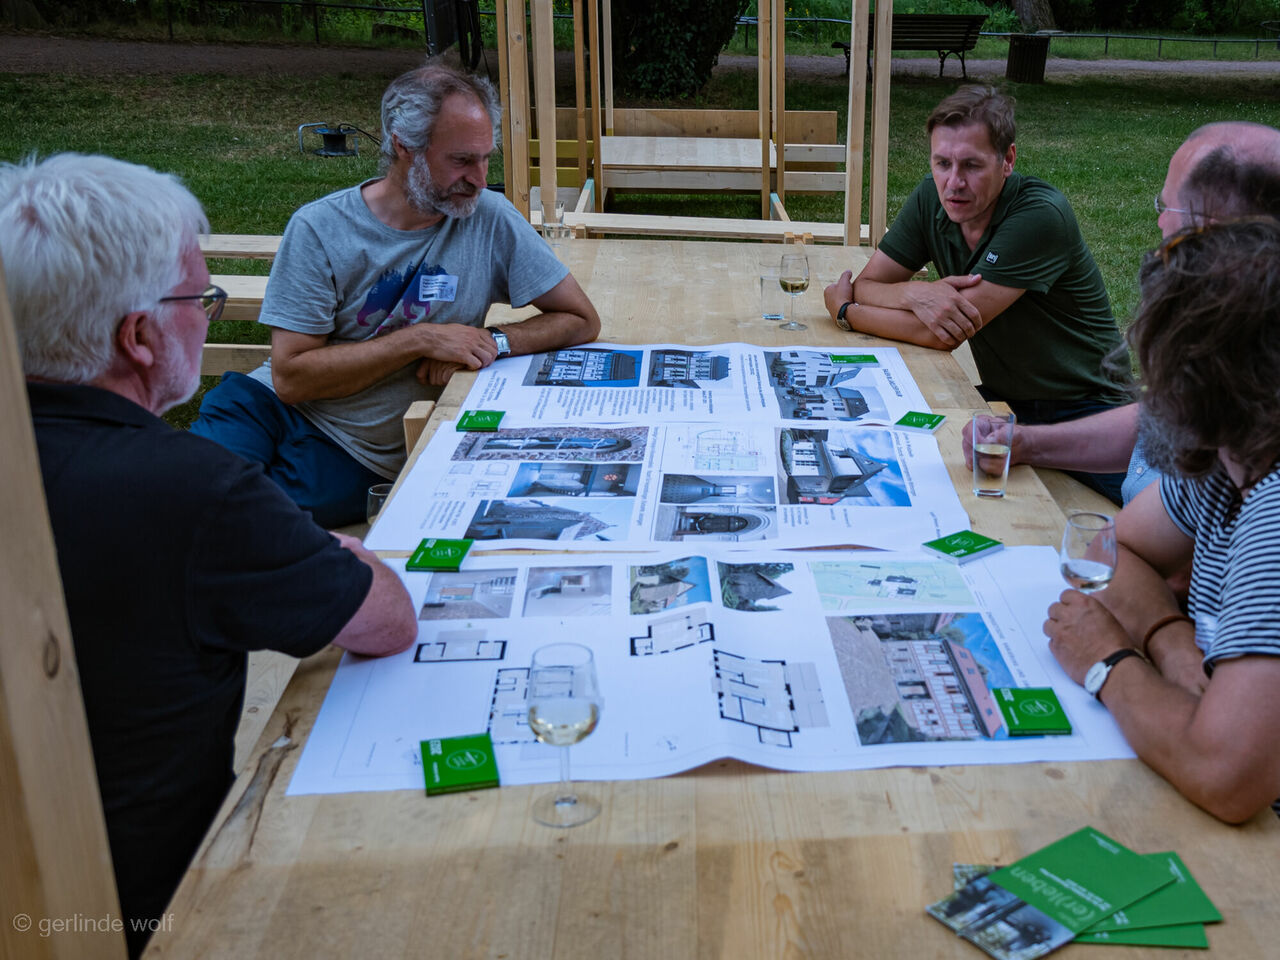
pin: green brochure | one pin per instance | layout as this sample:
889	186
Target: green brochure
1181	902
452	764
1041	902
1031	711
1186	935
963	546
480	421
918	422
436	553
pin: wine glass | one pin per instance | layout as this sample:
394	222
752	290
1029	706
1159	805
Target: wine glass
1088	555
564	707
793	277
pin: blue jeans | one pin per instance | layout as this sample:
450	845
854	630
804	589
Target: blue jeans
1058	411
247	418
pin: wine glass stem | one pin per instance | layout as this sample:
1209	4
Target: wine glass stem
566	785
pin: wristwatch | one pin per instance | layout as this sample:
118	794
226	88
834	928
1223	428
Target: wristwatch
841	321
1098	673
504	345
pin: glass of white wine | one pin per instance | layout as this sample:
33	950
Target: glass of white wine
1088	555
564	707
793	277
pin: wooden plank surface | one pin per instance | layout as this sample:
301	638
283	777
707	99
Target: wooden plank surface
727	861
683	153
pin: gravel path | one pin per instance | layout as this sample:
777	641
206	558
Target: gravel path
34	53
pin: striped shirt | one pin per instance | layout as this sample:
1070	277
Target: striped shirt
1235	574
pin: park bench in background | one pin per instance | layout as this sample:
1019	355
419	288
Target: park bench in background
946	33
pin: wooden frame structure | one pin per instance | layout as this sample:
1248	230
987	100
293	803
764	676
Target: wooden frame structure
677	162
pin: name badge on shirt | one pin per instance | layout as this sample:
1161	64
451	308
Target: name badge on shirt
439	286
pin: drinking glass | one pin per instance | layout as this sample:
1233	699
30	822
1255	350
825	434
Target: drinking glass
1088	555
376	500
554	230
992	446
793	277
564	707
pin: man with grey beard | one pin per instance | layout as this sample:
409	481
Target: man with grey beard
379	294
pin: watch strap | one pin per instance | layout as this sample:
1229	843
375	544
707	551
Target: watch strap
841	320
1110	661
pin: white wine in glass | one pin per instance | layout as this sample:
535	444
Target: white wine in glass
564	707
1088	555
793	277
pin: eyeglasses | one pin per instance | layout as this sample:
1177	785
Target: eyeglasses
1162	207
213	299
1166	248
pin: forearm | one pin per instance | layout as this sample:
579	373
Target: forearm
342	369
877	293
1102	443
1177	735
385	622
550	331
891	324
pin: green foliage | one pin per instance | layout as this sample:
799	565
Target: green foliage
1200	17
666	48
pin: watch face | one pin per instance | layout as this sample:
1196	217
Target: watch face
1093	680
843	324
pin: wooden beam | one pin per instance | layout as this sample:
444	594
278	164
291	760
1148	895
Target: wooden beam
415	421
780	94
54	859
217	358
597	171
518	147
764	103
607	53
241	246
855	135
880	122
544	82
504	85
580	89
714	228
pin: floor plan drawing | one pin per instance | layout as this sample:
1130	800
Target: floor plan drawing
846	585
670	634
454	646
728	451
777	698
509	708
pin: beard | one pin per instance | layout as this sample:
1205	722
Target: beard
459	201
177	378
1161	443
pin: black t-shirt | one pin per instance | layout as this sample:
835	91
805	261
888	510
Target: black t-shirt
177	557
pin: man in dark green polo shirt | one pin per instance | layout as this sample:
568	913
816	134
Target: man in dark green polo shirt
1018	281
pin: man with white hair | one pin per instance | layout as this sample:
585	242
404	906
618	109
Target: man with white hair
177	557
379	294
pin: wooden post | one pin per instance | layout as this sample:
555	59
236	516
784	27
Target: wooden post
855	135
764	100
879	199
579	91
518	60
780	94
597	118
504	90
544	82
608	67
55	864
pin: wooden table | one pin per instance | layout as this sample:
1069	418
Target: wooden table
725	861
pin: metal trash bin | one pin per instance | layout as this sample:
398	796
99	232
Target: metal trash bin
1027	55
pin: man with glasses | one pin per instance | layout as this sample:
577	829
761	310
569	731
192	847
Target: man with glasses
379	294
177	557
1018	280
1222	170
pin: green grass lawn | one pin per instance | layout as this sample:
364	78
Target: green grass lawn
1104	142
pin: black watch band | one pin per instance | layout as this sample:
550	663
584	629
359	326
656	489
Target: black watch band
841	320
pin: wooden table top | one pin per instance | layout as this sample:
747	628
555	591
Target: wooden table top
726	861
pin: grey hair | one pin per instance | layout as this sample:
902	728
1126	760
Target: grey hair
412	103
84	241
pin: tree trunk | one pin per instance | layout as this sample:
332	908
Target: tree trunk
1034	14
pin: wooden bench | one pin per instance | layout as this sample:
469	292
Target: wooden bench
946	33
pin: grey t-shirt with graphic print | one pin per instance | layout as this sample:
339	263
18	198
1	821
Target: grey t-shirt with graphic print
343	273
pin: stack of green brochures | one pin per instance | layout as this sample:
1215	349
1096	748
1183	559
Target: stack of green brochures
1085	887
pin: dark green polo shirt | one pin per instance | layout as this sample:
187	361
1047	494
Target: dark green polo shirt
1050	344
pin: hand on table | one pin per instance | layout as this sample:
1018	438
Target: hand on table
457	343
437	373
1081	632
1017	449
940	306
839	293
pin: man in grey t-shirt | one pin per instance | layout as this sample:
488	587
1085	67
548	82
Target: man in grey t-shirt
379	294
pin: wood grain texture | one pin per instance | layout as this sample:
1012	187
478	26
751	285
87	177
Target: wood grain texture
54	859
727	861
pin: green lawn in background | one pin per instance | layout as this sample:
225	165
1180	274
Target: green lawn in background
1105	142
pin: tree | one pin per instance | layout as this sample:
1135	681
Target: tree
1035	14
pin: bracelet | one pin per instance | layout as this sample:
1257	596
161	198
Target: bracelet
1160	625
